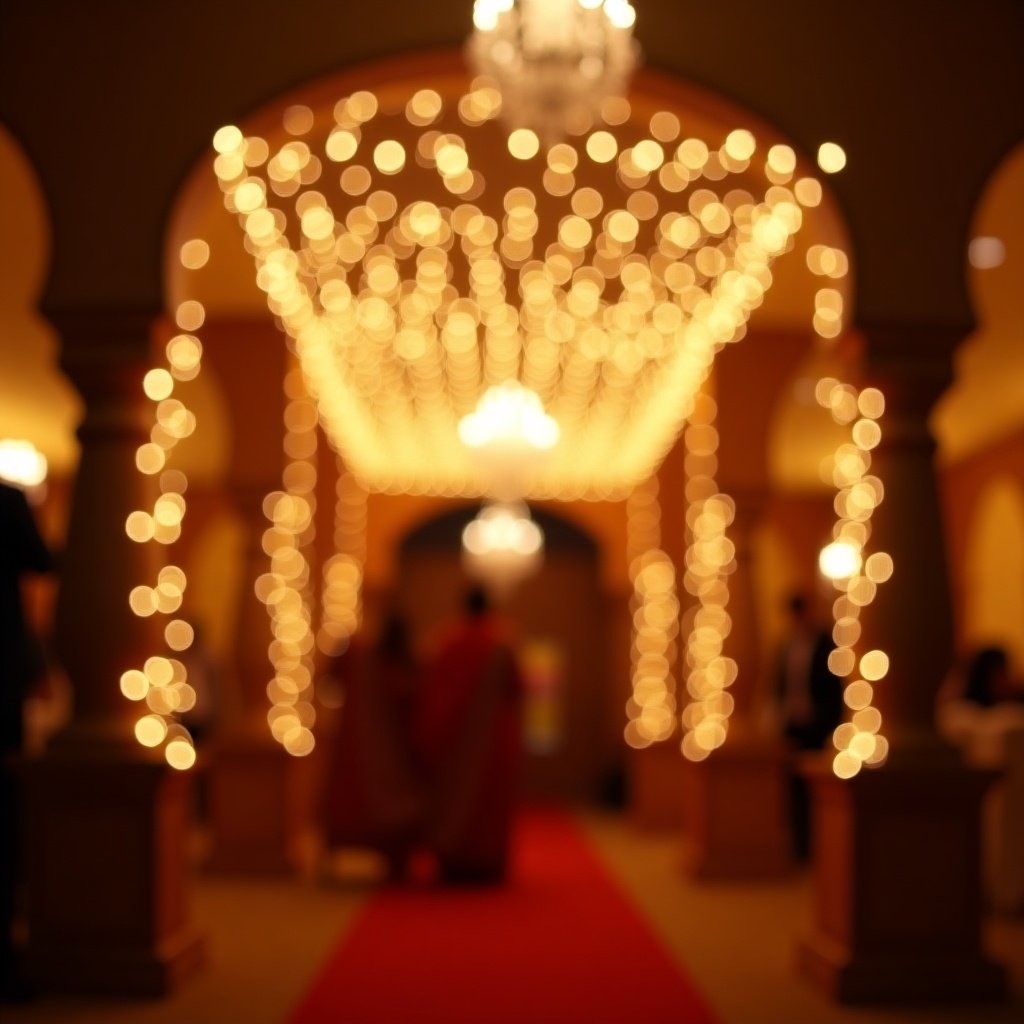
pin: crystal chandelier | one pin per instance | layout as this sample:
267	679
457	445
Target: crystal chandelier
22	464
419	255
510	434
454	286
555	61
502	545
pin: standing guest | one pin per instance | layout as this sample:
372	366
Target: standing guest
468	740
22	551
811	704
372	798
987	680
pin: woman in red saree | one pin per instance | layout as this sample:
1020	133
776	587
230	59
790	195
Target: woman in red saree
372	798
467	741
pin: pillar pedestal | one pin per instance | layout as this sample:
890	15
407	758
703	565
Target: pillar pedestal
656	786
898	884
254	802
737	810
106	848
107	818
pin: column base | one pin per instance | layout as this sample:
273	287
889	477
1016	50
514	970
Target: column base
899	976
107	838
255	821
736	811
897	884
118	971
656	786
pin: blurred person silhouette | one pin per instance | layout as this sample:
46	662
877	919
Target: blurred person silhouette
985	679
22	551
372	798
467	737
810	701
204	677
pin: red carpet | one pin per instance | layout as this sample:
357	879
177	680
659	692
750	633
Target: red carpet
558	945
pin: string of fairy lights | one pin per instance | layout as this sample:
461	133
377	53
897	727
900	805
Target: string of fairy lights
416	257
710	559
589	276
341	589
161	684
855	574
287	588
654	605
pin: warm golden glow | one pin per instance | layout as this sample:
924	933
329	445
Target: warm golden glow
341	591
986	252
423	256
287	588
710	560
651	709
162	683
839	560
523	144
194	254
855	576
831	157
551	64
21	463
408	295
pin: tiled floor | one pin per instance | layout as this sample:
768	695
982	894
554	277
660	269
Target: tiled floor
738	942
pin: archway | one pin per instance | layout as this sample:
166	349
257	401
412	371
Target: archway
199	212
994	570
562	638
36	402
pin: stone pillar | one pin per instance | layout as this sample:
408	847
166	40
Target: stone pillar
897	910
737	799
251	780
655	773
108	818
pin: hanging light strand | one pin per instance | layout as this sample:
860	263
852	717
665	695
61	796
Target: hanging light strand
710	559
161	684
408	294
286	589
341	601
855	574
651	709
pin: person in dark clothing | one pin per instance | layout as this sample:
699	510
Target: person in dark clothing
467	738
810	699
372	797
22	551
810	696
987	678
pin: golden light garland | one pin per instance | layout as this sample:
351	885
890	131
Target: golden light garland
854	573
286	589
602	273
341	595
554	60
651	709
710	559
162	681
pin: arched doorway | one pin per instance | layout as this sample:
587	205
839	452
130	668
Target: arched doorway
561	633
228	292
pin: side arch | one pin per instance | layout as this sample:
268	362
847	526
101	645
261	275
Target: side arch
994	570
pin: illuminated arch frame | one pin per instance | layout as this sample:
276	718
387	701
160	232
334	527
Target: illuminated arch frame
711	512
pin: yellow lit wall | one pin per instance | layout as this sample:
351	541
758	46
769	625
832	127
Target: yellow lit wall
36	402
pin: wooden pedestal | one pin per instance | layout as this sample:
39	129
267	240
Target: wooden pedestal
255	810
107	834
737	811
897	885
656	786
